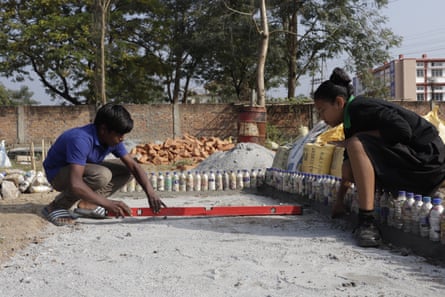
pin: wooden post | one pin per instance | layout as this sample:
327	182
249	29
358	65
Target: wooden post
43	150
33	159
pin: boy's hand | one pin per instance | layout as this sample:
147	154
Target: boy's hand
119	208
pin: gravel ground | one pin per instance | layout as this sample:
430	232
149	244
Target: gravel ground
302	255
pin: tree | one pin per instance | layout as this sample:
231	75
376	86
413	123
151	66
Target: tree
153	50
315	31
23	96
47	38
101	10
264	32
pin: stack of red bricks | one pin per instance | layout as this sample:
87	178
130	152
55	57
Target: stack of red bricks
187	148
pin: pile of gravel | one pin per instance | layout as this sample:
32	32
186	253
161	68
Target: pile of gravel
243	156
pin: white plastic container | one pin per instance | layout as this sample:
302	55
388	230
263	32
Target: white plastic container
398	206
182	182
175	182
212	181
204	181
189	183
154	181
168	182
407	212
197	181
246	178
415	212
219	181
434	219
424	226
161	183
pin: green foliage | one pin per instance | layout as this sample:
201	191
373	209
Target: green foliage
157	49
18	97
275	135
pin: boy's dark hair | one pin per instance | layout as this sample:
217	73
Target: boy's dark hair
339	84
115	117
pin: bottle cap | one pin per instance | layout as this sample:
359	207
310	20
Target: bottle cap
437	201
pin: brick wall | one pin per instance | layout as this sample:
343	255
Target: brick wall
157	122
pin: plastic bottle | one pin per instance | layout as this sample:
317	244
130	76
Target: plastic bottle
268	177
219	181
232	180
442	228
204	181
246	178
424	226
212	181
160	181
138	187
415	210
168	182
154	181
226	180
182	181
239	180
260	178
377	198
407	212
131	185
398	205
189	182
434	219
391	210
197	181
175	182
253	178
384	208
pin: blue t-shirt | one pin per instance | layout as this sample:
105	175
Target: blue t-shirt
78	146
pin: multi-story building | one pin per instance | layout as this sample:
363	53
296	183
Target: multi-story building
412	78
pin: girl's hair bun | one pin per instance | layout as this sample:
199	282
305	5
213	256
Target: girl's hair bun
340	77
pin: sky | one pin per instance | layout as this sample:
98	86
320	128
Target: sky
420	23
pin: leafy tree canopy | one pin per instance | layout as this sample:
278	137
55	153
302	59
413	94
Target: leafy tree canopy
157	49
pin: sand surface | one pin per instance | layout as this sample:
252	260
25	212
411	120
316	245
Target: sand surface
306	255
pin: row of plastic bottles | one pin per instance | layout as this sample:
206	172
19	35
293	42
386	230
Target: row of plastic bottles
424	216
421	215
219	180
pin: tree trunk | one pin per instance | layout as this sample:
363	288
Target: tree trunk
261	93
292	52
100	26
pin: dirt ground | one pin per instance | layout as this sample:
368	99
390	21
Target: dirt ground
21	222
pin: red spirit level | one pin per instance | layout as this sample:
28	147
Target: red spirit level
217	211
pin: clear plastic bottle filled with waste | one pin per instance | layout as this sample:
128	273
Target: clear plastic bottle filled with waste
407	212
434	219
189	183
197	181
415	212
424	225
161	183
398	206
212	181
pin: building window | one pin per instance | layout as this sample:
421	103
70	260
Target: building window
436	64
436	72
420	97
419	64
437	96
419	72
420	88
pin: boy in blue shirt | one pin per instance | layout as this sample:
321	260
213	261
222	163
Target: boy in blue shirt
76	167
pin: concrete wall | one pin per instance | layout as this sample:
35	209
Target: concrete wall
157	122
